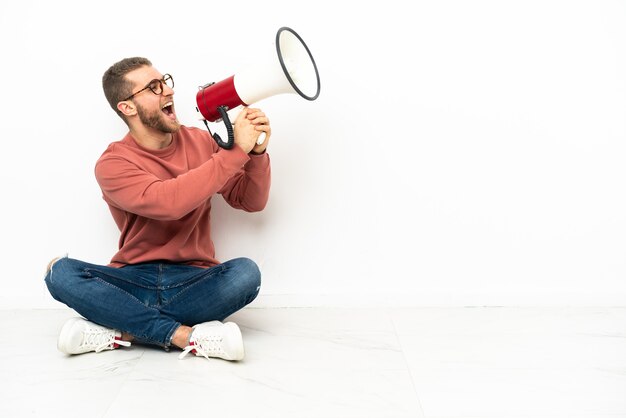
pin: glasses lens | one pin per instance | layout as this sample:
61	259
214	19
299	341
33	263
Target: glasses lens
156	87
169	80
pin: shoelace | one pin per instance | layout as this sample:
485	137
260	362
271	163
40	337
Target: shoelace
204	346
101	339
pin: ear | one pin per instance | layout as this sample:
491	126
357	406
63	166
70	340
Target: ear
127	108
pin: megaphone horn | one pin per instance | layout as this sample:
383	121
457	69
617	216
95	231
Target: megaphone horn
295	72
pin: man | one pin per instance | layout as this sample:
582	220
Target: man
164	285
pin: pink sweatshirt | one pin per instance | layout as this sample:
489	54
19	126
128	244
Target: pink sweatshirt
161	199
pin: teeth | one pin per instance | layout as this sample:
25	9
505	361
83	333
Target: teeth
167	104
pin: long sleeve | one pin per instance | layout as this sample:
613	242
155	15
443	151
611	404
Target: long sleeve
133	189
249	188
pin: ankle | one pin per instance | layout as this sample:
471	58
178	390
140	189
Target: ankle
181	336
127	337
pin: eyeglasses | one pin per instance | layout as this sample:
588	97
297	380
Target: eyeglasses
156	86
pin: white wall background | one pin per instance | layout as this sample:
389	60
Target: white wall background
460	153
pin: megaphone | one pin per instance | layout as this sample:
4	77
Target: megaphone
292	70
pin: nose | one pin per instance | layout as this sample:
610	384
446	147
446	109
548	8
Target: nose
167	90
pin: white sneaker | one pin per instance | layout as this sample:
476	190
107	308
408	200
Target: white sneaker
81	336
214	339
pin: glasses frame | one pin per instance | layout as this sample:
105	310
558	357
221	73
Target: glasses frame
164	80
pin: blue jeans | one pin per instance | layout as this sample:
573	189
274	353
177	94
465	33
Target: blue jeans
151	300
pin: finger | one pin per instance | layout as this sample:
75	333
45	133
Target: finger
260	121
243	114
255	113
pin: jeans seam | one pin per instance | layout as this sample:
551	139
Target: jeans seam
88	272
189	282
186	289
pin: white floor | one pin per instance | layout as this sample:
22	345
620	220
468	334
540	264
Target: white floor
343	363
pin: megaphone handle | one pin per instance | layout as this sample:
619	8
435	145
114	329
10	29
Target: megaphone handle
229	128
261	139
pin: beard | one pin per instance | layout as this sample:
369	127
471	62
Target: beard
157	120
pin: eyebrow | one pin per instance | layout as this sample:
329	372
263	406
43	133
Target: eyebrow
154	79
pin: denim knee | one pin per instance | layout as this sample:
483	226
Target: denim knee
248	274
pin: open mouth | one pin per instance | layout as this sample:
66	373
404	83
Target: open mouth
168	109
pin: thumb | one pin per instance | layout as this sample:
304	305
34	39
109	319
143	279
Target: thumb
240	114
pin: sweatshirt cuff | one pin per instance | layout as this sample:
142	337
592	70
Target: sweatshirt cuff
258	162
